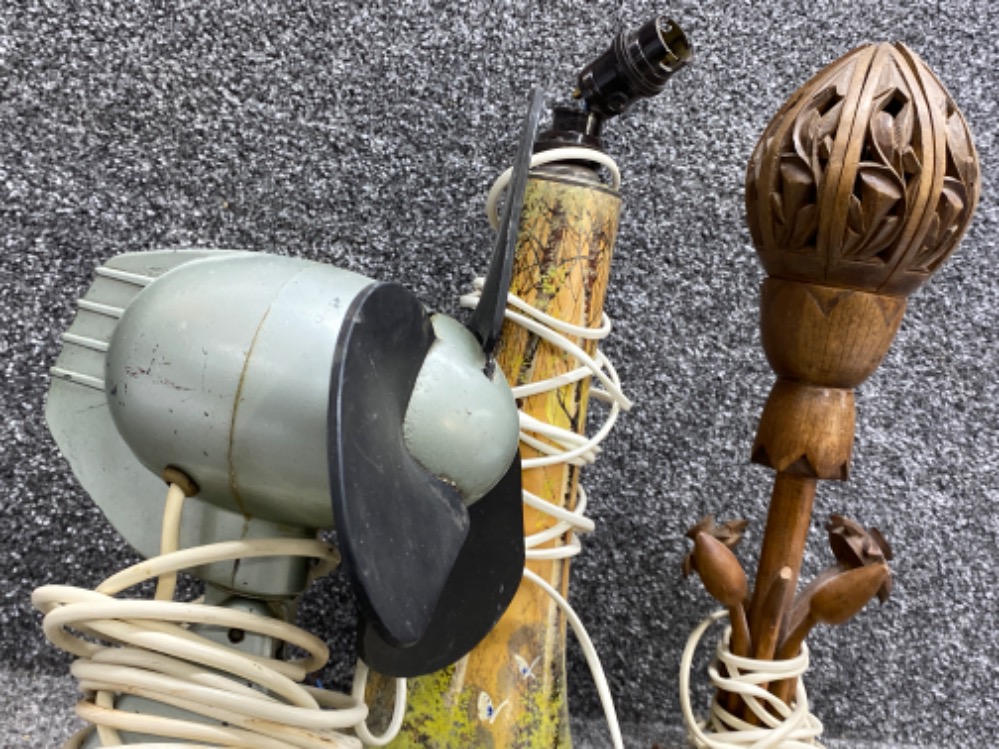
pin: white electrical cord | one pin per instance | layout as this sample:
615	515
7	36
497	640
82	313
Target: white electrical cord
547	157
145	648
562	445
790	728
151	653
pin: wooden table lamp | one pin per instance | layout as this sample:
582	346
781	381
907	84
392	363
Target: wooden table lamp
857	192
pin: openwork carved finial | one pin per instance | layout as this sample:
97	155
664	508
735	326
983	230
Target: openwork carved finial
866	178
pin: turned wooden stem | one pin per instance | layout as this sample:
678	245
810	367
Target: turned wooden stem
784	540
773	612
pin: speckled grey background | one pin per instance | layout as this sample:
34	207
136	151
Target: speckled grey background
366	134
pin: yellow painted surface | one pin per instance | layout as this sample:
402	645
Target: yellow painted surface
509	693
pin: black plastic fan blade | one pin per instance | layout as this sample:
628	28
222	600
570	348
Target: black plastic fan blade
487	319
485	577
399	528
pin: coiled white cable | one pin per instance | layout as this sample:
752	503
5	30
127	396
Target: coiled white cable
548	157
144	648
790	728
150	653
562	445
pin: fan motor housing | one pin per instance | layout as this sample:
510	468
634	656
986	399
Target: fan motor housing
221	368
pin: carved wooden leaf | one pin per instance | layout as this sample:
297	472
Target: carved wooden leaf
883	135
805	224
798	199
871	228
960	150
796	181
876	245
952	203
892	137
904	123
804	134
777	206
924	257
880	191
855	217
910	162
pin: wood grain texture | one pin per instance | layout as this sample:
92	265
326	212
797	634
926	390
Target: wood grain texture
866	178
857	191
784	540
835	601
770	622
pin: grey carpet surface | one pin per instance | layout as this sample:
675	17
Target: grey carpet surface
366	135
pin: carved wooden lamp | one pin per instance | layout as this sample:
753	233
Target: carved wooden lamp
858	190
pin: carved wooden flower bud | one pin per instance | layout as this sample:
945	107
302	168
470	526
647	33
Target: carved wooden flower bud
866	178
729	533
858	190
854	546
